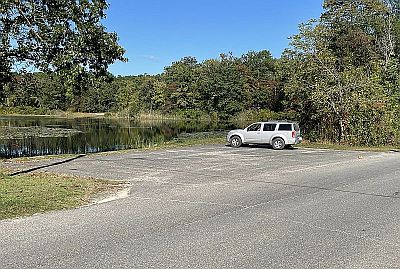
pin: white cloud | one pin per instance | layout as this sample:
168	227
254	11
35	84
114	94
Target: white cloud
150	58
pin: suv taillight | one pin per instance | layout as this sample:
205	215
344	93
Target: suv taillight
293	134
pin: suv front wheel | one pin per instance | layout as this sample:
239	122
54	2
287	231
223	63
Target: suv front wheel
235	141
278	143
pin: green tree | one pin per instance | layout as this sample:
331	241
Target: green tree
338	65
22	91
127	95
181	79
51	91
360	30
56	36
262	83
222	86
159	97
100	95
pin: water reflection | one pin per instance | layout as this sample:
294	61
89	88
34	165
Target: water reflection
96	135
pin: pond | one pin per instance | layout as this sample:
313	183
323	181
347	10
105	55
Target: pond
35	136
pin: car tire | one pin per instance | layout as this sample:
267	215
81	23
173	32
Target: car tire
278	143
235	141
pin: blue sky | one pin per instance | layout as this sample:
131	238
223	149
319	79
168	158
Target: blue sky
156	33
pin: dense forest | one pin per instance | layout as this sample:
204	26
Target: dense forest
340	78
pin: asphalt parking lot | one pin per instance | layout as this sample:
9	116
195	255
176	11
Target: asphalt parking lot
220	207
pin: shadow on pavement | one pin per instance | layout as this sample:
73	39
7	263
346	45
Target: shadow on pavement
48	165
266	146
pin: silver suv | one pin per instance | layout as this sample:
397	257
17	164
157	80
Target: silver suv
276	133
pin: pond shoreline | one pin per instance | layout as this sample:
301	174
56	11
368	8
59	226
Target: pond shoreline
51	135
62	115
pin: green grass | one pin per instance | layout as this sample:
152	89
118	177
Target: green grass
326	145
179	142
197	139
24	195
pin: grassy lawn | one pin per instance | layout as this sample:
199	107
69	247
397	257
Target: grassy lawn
196	140
24	195
316	145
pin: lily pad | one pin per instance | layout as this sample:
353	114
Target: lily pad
7	132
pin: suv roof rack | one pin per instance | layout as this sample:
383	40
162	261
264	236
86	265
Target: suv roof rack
289	121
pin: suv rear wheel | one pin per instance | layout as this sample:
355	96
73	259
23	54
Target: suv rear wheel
278	143
235	141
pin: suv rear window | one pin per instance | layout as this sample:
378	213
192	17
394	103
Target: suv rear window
285	127
268	127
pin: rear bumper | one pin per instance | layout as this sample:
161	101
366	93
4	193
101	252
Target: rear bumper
295	141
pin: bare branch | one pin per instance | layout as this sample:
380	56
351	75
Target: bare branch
28	21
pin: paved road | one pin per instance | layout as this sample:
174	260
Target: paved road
219	207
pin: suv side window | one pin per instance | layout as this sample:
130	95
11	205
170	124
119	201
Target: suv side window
285	127
255	127
269	127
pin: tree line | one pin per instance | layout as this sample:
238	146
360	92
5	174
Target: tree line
224	87
340	78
